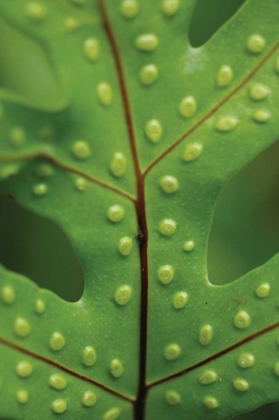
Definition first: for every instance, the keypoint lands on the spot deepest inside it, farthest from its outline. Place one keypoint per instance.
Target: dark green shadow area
(267, 412)
(245, 230)
(208, 17)
(39, 249)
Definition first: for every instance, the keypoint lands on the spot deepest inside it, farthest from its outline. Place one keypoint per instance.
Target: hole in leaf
(267, 412)
(39, 249)
(245, 229)
(208, 17)
(25, 70)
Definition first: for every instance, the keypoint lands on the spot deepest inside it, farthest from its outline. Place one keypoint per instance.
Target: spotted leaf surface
(128, 155)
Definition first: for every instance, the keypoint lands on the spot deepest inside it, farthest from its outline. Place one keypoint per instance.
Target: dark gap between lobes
(245, 229)
(208, 17)
(37, 248)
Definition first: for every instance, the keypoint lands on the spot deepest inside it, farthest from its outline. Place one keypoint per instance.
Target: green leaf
(130, 163)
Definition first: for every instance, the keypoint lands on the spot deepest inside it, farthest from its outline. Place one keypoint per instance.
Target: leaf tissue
(117, 129)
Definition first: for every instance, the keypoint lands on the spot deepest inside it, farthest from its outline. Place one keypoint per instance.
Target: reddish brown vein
(141, 216)
(216, 355)
(63, 368)
(213, 110)
(68, 168)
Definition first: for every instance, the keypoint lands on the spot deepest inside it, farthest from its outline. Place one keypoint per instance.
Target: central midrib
(139, 406)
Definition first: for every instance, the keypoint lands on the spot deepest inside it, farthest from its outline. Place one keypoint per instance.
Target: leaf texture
(129, 162)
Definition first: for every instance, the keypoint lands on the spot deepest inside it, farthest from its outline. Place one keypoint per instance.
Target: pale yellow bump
(125, 246)
(192, 151)
(172, 397)
(123, 294)
(148, 74)
(116, 368)
(147, 42)
(40, 306)
(36, 11)
(255, 43)
(8, 295)
(169, 184)
(24, 369)
(189, 246)
(240, 384)
(242, 320)
(40, 189)
(153, 131)
(8, 170)
(261, 115)
(172, 352)
(89, 356)
(129, 8)
(246, 360)
(81, 184)
(180, 299)
(170, 7)
(263, 290)
(44, 171)
(206, 335)
(71, 23)
(227, 123)
(167, 227)
(59, 406)
(225, 76)
(118, 164)
(208, 377)
(259, 92)
(22, 327)
(81, 150)
(17, 137)
(57, 341)
(22, 396)
(165, 274)
(115, 213)
(104, 93)
(210, 402)
(91, 49)
(112, 414)
(89, 399)
(57, 381)
(187, 106)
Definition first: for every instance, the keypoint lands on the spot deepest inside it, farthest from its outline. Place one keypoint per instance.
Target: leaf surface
(130, 163)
